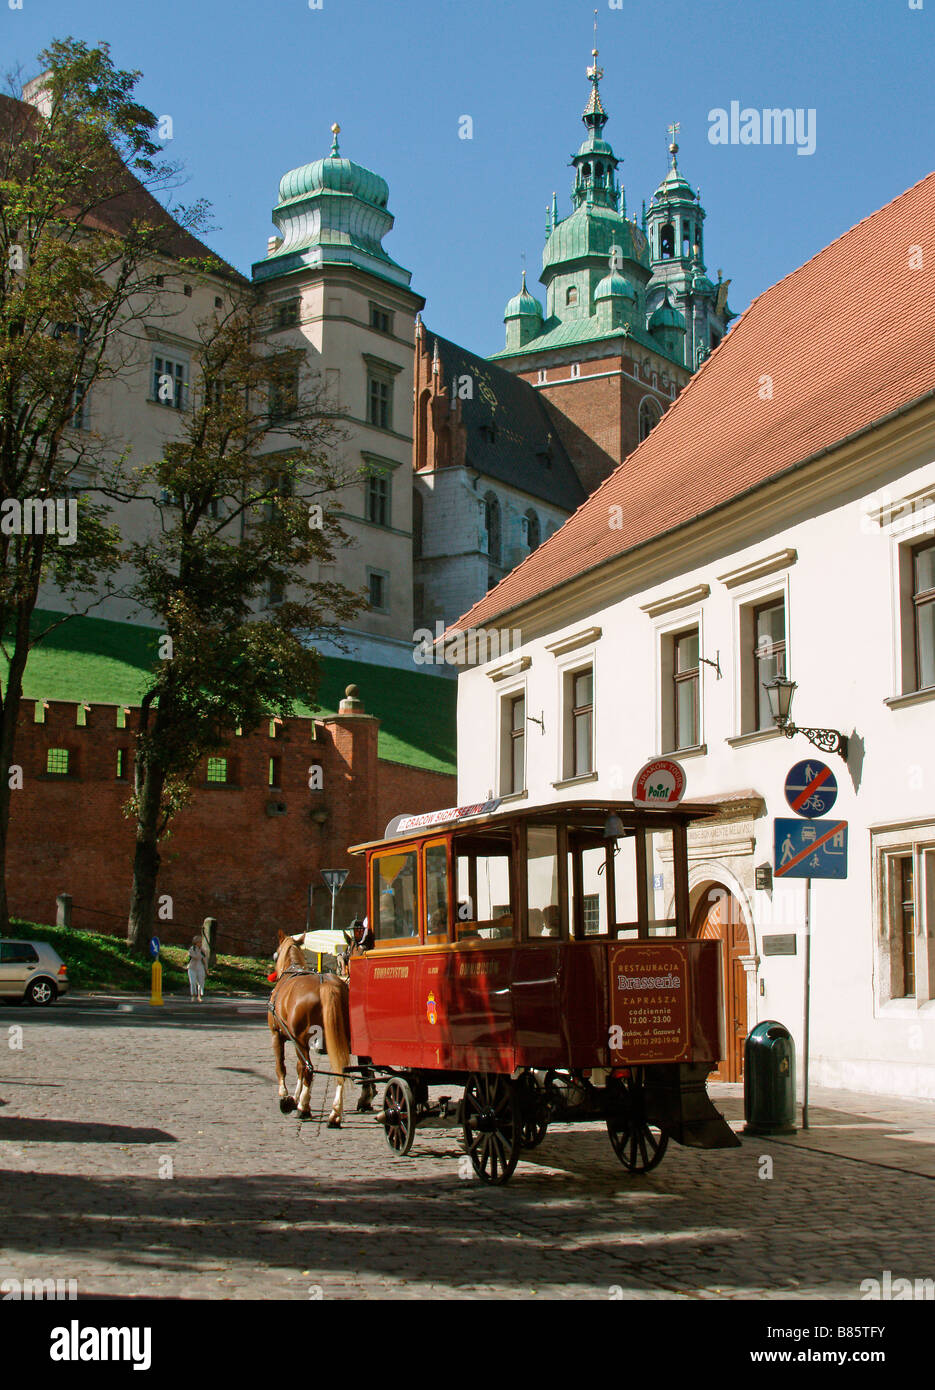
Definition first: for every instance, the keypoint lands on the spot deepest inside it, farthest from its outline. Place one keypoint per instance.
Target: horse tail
(335, 1020)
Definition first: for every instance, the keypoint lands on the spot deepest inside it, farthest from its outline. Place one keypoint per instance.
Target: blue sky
(253, 89)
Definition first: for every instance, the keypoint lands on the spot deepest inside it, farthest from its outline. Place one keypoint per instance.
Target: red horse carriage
(540, 959)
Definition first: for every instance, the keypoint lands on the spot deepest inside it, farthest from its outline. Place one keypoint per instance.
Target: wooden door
(718, 918)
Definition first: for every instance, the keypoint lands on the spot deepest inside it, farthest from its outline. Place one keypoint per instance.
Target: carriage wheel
(535, 1115)
(638, 1145)
(399, 1115)
(493, 1126)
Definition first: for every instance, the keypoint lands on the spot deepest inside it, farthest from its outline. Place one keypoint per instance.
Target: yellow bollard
(319, 962)
(156, 995)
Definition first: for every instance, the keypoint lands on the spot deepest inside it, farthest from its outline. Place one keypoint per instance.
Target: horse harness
(293, 970)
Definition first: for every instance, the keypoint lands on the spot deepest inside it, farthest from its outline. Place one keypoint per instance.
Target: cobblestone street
(146, 1157)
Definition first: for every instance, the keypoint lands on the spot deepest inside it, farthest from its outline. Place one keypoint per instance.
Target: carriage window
(545, 915)
(483, 909)
(592, 889)
(436, 892)
(660, 884)
(394, 896)
(626, 903)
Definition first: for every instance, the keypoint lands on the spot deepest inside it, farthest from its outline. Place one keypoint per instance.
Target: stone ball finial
(351, 704)
(352, 692)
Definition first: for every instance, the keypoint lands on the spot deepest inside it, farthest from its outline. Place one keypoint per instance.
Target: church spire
(594, 115)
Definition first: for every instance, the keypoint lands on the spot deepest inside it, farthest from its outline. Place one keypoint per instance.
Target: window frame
(892, 846)
(509, 737)
(754, 656)
(176, 361)
(383, 576)
(920, 598)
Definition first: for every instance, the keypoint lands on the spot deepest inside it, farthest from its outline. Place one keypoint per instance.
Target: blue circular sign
(811, 788)
(154, 946)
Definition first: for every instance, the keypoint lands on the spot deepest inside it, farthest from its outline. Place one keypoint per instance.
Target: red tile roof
(846, 339)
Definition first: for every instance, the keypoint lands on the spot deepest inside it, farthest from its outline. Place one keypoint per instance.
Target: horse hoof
(286, 1104)
(364, 1107)
(334, 1124)
(304, 1115)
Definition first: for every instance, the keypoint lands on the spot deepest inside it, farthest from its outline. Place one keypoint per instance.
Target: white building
(780, 519)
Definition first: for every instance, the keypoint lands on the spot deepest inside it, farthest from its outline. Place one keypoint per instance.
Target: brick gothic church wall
(233, 853)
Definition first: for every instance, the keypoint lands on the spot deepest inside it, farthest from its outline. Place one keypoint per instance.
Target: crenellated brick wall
(242, 851)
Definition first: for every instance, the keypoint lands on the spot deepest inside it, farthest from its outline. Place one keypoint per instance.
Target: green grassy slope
(105, 662)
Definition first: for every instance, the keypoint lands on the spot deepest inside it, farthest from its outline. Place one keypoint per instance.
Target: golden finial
(335, 131)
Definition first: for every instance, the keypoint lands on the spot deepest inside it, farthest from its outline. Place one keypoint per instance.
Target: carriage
(539, 963)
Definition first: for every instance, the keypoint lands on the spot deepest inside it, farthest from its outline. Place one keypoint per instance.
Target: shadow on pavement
(14, 1130)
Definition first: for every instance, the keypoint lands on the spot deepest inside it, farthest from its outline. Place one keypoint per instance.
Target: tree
(243, 503)
(81, 239)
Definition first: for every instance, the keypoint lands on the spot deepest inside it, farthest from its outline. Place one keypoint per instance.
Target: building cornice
(756, 569)
(574, 641)
(669, 602)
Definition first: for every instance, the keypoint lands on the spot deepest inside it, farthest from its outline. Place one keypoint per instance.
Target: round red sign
(660, 782)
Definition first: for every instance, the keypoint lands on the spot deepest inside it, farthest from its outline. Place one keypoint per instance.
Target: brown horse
(310, 1009)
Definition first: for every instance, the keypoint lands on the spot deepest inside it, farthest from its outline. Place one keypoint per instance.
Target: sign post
(155, 993)
(334, 878)
(809, 849)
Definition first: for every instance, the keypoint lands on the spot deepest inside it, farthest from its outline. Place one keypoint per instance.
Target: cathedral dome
(334, 175)
(667, 317)
(595, 231)
(523, 305)
(614, 286)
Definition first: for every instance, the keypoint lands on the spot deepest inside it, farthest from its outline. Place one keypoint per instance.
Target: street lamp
(779, 692)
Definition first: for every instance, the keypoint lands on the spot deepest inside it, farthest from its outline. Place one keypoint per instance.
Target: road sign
(660, 782)
(334, 879)
(154, 944)
(810, 848)
(811, 788)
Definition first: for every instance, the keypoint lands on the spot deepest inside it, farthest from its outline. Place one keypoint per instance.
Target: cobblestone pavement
(99, 1107)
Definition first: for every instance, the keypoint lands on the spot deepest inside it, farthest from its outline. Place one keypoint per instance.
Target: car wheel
(41, 992)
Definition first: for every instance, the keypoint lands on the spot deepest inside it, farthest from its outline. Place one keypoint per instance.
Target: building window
(81, 413)
(170, 382)
(381, 319)
(650, 415)
(667, 242)
(57, 762)
(275, 772)
(287, 313)
(378, 590)
(685, 722)
(121, 764)
(380, 402)
(542, 376)
(579, 723)
(768, 657)
(512, 744)
(923, 602)
(904, 926)
(533, 533)
(571, 295)
(378, 501)
(492, 527)
(284, 396)
(904, 916)
(576, 369)
(217, 772)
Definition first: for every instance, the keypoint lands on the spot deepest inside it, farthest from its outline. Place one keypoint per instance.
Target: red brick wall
(225, 856)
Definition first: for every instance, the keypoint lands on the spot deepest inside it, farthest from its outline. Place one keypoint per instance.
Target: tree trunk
(146, 861)
(9, 715)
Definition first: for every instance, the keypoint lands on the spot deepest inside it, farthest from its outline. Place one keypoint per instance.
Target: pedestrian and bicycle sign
(809, 848)
(811, 788)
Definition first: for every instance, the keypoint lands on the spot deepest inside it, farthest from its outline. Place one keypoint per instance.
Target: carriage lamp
(779, 692)
(613, 828)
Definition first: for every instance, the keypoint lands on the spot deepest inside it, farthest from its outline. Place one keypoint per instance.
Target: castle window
(667, 242)
(381, 319)
(57, 762)
(380, 403)
(287, 313)
(217, 772)
(650, 415)
(492, 527)
(284, 395)
(377, 589)
(571, 294)
(598, 171)
(378, 501)
(170, 382)
(275, 772)
(121, 764)
(533, 532)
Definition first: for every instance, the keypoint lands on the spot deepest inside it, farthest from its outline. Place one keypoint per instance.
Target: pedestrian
(196, 969)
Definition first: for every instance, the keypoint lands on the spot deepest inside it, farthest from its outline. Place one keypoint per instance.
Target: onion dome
(666, 318)
(614, 286)
(523, 305)
(334, 175)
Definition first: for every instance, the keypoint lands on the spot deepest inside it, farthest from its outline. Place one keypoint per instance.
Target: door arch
(718, 917)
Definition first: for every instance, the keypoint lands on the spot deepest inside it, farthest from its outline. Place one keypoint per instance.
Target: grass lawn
(104, 964)
(104, 662)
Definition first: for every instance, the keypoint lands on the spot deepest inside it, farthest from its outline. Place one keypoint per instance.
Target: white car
(31, 970)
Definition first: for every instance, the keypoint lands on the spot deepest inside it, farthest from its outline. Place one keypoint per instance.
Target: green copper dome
(523, 305)
(667, 317)
(614, 285)
(334, 175)
(592, 230)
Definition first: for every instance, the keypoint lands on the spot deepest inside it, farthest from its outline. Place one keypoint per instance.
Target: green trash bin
(769, 1080)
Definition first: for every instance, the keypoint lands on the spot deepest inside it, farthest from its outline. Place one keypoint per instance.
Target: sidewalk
(179, 1003)
(886, 1131)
